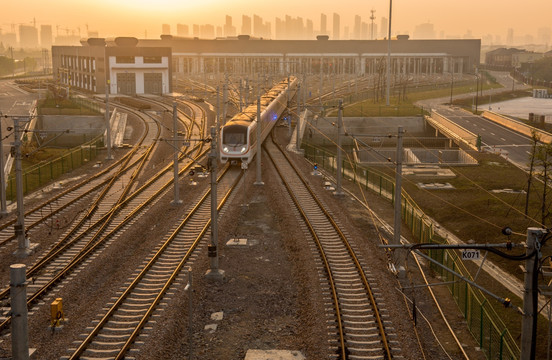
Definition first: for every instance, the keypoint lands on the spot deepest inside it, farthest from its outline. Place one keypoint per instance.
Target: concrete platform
(274, 355)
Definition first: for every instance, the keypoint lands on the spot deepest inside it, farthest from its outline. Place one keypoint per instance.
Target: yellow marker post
(56, 312)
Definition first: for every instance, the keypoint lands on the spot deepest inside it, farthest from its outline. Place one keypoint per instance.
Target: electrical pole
(176, 200)
(108, 122)
(224, 102)
(213, 273)
(297, 126)
(398, 190)
(3, 208)
(19, 325)
(338, 191)
(389, 54)
(24, 246)
(259, 178)
(530, 297)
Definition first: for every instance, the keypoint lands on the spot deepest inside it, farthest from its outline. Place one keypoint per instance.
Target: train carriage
(238, 137)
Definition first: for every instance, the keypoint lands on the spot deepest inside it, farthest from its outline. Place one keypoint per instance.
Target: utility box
(56, 312)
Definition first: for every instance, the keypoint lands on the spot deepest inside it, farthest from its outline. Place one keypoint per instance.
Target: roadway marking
(503, 139)
(493, 134)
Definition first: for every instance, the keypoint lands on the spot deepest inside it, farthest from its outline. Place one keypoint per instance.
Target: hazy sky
(134, 17)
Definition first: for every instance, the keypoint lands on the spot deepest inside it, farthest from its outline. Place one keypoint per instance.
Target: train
(238, 137)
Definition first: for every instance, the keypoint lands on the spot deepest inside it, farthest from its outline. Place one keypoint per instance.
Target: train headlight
(225, 149)
(242, 150)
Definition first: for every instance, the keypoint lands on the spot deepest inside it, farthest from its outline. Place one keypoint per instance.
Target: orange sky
(135, 17)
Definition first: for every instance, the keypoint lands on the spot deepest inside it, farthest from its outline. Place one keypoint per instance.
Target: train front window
(233, 138)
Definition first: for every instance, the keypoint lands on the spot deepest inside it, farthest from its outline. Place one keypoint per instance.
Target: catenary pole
(176, 200)
(259, 180)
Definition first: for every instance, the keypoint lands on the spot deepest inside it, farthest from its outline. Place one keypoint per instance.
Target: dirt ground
(270, 297)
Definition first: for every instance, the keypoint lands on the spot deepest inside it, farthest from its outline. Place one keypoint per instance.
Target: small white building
(127, 68)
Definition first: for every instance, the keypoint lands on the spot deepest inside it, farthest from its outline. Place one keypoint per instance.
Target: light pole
(476, 90)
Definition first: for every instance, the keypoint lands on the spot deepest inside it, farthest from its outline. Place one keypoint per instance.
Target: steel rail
(383, 336)
(84, 344)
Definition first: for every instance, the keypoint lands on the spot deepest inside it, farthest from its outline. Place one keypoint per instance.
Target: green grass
(405, 105)
(63, 107)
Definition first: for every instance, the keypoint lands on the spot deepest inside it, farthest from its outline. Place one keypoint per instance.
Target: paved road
(13, 101)
(496, 138)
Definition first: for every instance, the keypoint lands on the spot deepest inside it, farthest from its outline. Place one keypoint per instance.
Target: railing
(483, 322)
(45, 172)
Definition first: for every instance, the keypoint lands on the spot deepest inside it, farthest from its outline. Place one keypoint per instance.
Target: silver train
(238, 137)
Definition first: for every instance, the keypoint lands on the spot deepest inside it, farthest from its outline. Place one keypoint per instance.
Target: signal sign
(471, 254)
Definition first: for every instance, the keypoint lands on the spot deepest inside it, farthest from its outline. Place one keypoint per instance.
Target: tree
(7, 65)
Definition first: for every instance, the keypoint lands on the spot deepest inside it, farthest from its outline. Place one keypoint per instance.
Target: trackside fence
(484, 323)
(45, 172)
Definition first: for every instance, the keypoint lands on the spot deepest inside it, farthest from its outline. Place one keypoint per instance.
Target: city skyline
(353, 25)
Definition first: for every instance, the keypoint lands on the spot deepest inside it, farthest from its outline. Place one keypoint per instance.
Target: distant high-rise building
(229, 29)
(28, 36)
(46, 36)
(336, 26)
(544, 35)
(364, 30)
(384, 27)
(165, 29)
(279, 29)
(424, 31)
(260, 28)
(510, 37)
(356, 28)
(195, 30)
(246, 25)
(468, 35)
(207, 31)
(309, 31)
(219, 31)
(257, 25)
(182, 30)
(268, 30)
(9, 39)
(323, 21)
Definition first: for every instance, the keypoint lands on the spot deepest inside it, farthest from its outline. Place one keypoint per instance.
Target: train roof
(250, 112)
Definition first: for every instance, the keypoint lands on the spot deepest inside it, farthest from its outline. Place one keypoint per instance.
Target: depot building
(149, 66)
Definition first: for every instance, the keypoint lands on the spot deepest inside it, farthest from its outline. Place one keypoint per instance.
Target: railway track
(94, 231)
(117, 330)
(356, 316)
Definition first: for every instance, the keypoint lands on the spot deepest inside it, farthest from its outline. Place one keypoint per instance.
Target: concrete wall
(53, 129)
(517, 126)
(363, 127)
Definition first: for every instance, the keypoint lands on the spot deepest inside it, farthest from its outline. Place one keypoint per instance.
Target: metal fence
(36, 176)
(483, 322)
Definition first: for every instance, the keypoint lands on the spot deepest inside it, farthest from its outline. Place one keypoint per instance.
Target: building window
(125, 59)
(153, 59)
